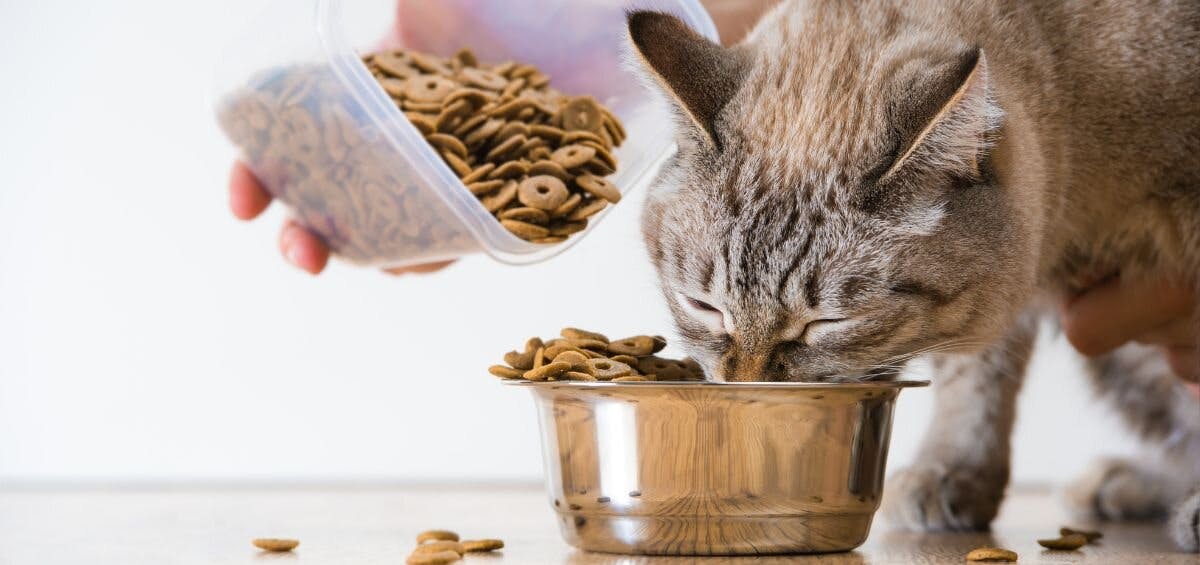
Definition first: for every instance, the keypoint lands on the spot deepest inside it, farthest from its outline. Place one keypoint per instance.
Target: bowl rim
(867, 385)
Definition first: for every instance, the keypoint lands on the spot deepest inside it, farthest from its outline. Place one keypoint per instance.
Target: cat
(861, 183)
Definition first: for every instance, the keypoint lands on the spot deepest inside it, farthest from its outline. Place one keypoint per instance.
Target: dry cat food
(332, 164)
(1068, 542)
(534, 157)
(436, 535)
(275, 544)
(1069, 539)
(439, 558)
(482, 545)
(991, 554)
(1089, 535)
(580, 355)
(438, 547)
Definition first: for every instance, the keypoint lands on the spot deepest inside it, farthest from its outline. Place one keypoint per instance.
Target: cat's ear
(701, 76)
(945, 118)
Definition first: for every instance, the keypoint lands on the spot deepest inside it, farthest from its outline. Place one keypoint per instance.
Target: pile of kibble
(534, 157)
(580, 355)
(439, 547)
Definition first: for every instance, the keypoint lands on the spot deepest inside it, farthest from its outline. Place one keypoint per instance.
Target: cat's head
(834, 204)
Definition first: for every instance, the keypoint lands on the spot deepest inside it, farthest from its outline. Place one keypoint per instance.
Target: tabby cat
(860, 183)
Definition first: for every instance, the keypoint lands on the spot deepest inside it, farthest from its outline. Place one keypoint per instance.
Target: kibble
(1069, 542)
(607, 369)
(440, 546)
(439, 558)
(1090, 535)
(482, 545)
(556, 146)
(991, 554)
(547, 372)
(581, 355)
(487, 122)
(275, 544)
(436, 535)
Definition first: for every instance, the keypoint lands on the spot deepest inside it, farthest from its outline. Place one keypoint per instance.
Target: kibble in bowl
(644, 456)
(413, 150)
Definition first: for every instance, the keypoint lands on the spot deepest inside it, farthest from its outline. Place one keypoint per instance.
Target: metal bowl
(715, 468)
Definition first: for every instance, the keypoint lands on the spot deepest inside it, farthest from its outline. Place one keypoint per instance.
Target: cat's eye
(706, 313)
(816, 329)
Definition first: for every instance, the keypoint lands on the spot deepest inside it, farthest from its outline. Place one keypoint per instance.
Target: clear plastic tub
(324, 138)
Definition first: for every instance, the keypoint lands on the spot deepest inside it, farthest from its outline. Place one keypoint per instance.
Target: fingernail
(293, 255)
(286, 243)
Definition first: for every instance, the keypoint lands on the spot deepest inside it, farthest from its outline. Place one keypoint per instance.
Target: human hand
(302, 248)
(1160, 313)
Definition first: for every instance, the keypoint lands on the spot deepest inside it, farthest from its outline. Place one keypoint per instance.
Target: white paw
(940, 498)
(1184, 525)
(1115, 490)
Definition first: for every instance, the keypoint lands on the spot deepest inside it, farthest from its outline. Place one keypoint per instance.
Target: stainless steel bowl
(715, 468)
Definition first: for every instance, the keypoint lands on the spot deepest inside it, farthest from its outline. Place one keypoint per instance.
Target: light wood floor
(365, 526)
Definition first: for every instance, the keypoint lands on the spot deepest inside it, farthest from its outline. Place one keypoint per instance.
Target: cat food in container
(326, 139)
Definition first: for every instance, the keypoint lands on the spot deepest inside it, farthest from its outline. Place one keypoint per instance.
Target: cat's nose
(752, 367)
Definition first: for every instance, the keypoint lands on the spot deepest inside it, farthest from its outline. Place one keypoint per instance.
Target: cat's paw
(1115, 489)
(1184, 525)
(943, 498)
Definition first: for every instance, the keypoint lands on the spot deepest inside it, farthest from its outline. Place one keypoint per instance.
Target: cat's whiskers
(897, 364)
(948, 345)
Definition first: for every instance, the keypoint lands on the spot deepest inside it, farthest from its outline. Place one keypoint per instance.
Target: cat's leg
(1184, 523)
(1118, 489)
(961, 470)
(1165, 483)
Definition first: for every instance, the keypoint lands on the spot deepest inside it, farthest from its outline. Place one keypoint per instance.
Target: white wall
(145, 334)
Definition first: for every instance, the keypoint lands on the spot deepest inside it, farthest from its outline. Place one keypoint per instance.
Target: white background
(145, 335)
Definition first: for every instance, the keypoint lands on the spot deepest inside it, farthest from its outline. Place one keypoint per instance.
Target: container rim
(867, 385)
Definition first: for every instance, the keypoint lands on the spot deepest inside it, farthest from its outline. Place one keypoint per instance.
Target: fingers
(247, 197)
(420, 269)
(1117, 312)
(303, 249)
(1185, 362)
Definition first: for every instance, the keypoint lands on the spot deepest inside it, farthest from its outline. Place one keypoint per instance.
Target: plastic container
(324, 138)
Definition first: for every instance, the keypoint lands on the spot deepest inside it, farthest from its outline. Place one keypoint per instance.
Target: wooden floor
(368, 526)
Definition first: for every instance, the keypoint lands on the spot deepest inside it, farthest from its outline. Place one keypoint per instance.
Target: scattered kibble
(1091, 535)
(1069, 542)
(991, 554)
(437, 547)
(439, 558)
(440, 546)
(436, 535)
(275, 544)
(482, 545)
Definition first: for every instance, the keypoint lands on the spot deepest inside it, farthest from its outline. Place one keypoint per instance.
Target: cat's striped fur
(862, 182)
